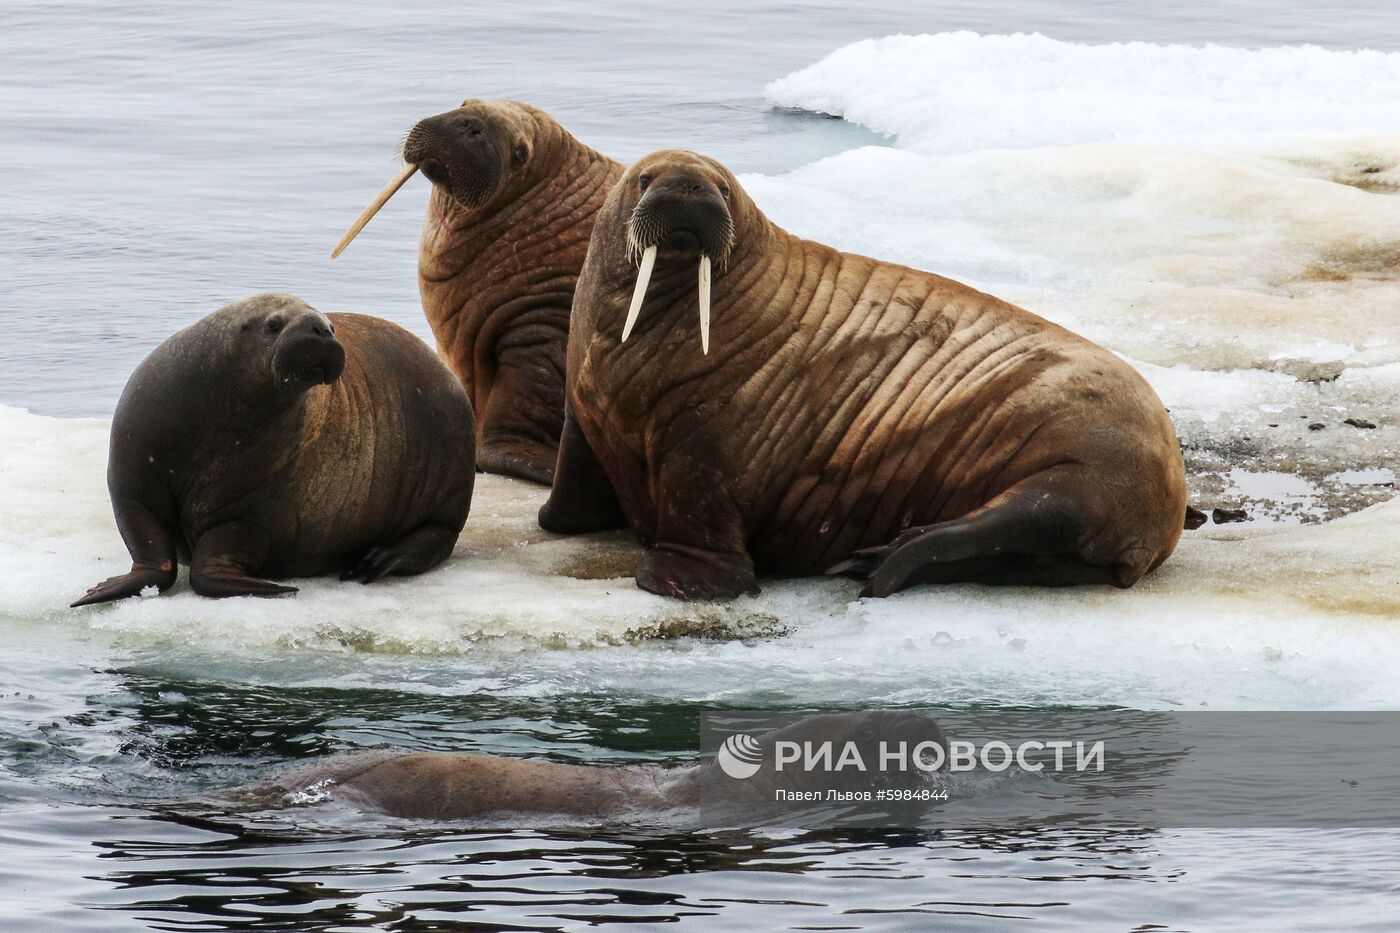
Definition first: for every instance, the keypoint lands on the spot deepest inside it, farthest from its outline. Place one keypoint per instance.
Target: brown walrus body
(270, 440)
(854, 415)
(431, 785)
(506, 231)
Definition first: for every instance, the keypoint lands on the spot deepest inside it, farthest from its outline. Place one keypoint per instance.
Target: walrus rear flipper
(223, 584)
(417, 552)
(222, 558)
(1028, 535)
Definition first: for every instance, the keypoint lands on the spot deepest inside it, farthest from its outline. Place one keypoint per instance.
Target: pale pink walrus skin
(767, 403)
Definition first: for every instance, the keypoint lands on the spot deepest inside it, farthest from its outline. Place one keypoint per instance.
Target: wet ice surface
(1202, 631)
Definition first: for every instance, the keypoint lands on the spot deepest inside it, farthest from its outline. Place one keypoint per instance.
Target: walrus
(507, 228)
(271, 440)
(856, 416)
(445, 786)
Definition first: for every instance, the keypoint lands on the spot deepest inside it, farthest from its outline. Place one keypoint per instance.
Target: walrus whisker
(379, 201)
(643, 279)
(705, 303)
(641, 228)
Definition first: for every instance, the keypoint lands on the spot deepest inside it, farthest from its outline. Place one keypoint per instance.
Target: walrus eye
(274, 326)
(519, 154)
(724, 192)
(643, 182)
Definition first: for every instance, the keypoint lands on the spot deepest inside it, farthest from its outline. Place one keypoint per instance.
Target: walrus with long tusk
(271, 440)
(507, 227)
(747, 399)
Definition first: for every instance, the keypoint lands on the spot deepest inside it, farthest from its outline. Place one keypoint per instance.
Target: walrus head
(471, 155)
(872, 733)
(471, 151)
(298, 341)
(682, 210)
(868, 729)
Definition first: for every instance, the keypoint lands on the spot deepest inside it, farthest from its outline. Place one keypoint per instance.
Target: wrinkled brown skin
(227, 456)
(852, 415)
(513, 202)
(436, 786)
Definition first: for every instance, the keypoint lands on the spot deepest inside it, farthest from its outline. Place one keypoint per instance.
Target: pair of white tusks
(639, 293)
(379, 201)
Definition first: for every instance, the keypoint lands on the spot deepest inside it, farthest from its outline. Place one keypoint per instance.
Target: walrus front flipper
(222, 556)
(700, 551)
(152, 549)
(583, 499)
(669, 570)
(520, 422)
(129, 584)
(1027, 535)
(417, 552)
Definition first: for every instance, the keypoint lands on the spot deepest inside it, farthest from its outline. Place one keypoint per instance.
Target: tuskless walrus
(749, 400)
(441, 786)
(271, 440)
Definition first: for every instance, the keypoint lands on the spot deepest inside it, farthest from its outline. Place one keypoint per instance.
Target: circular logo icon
(740, 756)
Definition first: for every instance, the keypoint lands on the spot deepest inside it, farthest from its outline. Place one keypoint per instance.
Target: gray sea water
(166, 157)
(163, 158)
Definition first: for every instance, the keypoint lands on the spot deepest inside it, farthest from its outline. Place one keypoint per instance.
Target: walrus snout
(437, 172)
(461, 152)
(687, 215)
(308, 353)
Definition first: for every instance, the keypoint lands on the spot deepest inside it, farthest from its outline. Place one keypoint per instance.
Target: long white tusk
(705, 304)
(643, 279)
(379, 201)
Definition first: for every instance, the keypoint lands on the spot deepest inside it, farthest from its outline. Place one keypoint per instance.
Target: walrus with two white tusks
(749, 400)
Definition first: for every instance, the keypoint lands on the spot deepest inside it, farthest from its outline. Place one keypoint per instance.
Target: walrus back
(496, 286)
(390, 445)
(929, 399)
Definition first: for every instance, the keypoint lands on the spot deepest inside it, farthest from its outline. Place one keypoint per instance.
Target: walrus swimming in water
(507, 227)
(270, 440)
(438, 786)
(855, 416)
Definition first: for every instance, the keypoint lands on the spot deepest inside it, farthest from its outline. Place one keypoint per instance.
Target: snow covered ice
(1240, 617)
(1225, 219)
